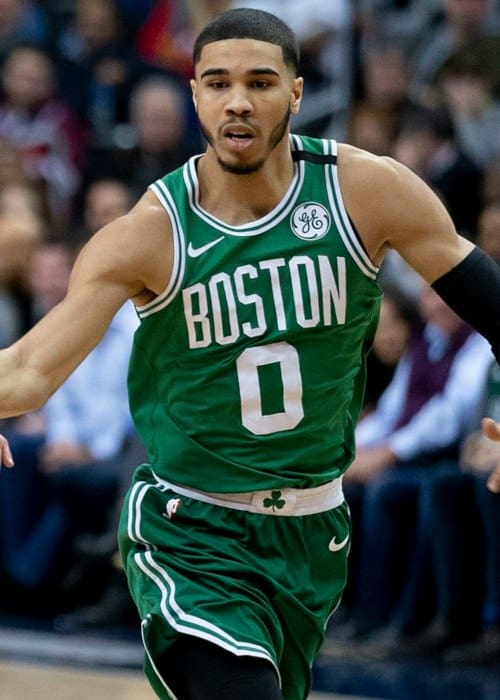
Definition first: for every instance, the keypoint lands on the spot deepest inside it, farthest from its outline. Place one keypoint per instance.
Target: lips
(237, 131)
(238, 137)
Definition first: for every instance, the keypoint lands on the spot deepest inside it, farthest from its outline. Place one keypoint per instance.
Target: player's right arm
(128, 259)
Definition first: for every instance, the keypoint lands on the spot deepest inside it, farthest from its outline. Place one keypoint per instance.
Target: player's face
(244, 95)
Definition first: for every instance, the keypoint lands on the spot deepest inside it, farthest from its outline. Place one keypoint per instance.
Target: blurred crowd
(94, 106)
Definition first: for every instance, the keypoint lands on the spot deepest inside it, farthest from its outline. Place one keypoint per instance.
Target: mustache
(238, 121)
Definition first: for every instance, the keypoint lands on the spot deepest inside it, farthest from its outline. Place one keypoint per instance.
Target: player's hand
(492, 431)
(5, 453)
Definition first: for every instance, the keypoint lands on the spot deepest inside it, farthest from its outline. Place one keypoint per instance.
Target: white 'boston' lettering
(304, 291)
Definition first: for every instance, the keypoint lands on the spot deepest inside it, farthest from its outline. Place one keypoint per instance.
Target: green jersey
(248, 371)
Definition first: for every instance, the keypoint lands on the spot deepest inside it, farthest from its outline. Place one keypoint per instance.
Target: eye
(217, 84)
(260, 84)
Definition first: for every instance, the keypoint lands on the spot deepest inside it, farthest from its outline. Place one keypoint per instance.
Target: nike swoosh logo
(195, 252)
(335, 546)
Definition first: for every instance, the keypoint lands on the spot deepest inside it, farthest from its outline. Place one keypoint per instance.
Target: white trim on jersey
(252, 228)
(179, 258)
(342, 221)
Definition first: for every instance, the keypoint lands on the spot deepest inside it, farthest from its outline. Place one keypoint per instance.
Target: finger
(5, 453)
(493, 482)
(490, 429)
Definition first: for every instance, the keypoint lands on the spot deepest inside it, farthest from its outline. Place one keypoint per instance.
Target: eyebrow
(253, 71)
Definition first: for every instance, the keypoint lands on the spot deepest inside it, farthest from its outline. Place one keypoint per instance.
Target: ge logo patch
(310, 221)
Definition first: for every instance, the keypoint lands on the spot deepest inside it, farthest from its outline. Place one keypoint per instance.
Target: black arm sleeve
(472, 290)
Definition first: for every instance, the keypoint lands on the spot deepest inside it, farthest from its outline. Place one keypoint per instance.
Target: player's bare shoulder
(367, 182)
(386, 200)
(364, 164)
(370, 180)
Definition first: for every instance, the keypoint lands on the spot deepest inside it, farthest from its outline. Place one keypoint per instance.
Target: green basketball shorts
(248, 574)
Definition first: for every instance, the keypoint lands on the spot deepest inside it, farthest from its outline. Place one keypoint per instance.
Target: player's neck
(238, 199)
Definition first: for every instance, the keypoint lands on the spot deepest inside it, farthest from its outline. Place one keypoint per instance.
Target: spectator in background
(397, 318)
(466, 626)
(437, 383)
(384, 94)
(479, 456)
(25, 201)
(396, 321)
(47, 276)
(43, 129)
(76, 447)
(399, 23)
(468, 90)
(18, 239)
(22, 21)
(165, 38)
(103, 201)
(23, 228)
(396, 274)
(463, 21)
(50, 268)
(427, 145)
(369, 129)
(70, 472)
(94, 553)
(85, 430)
(463, 533)
(162, 137)
(98, 67)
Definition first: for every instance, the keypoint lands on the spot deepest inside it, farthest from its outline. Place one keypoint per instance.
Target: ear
(192, 83)
(296, 98)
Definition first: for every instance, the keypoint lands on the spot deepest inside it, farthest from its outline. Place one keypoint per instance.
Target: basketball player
(254, 273)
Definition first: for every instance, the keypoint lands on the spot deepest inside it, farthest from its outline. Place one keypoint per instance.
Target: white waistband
(276, 501)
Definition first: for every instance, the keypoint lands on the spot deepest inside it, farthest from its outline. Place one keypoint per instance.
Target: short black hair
(246, 23)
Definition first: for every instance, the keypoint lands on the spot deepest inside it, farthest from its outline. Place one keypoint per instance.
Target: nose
(238, 102)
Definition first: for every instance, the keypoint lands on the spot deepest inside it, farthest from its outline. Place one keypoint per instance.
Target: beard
(275, 138)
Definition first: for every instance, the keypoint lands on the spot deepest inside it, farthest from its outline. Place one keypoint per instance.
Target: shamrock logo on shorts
(275, 501)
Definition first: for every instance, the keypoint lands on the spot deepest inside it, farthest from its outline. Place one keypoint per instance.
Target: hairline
(288, 64)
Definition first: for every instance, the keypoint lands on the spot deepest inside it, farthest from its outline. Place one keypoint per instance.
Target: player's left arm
(403, 213)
